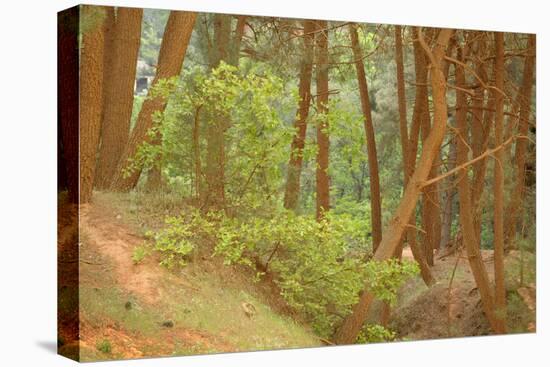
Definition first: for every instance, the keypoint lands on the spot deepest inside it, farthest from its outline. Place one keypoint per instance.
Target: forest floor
(130, 310)
(452, 306)
(147, 310)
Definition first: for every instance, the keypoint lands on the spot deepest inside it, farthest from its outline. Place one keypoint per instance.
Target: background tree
(321, 67)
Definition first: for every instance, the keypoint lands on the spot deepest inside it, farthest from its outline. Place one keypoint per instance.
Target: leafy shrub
(319, 266)
(176, 241)
(139, 254)
(385, 277)
(374, 333)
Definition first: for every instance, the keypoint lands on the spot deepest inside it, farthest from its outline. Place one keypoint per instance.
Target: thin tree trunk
(322, 178)
(513, 211)
(500, 289)
(292, 190)
(224, 49)
(469, 237)
(375, 201)
(391, 237)
(120, 69)
(447, 220)
(172, 53)
(197, 154)
(91, 93)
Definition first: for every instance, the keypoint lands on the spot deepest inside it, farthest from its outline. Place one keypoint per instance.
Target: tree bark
(120, 69)
(292, 190)
(513, 211)
(226, 49)
(375, 201)
(67, 97)
(391, 237)
(172, 53)
(322, 178)
(469, 238)
(500, 289)
(91, 96)
(419, 112)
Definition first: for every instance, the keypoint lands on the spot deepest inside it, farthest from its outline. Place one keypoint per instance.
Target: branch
(470, 162)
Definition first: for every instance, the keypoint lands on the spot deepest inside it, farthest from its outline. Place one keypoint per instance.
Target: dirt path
(107, 245)
(108, 236)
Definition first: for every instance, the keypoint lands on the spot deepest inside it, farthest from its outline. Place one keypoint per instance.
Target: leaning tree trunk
(391, 237)
(513, 211)
(429, 195)
(292, 190)
(404, 139)
(91, 93)
(375, 201)
(500, 289)
(118, 92)
(322, 178)
(419, 112)
(172, 53)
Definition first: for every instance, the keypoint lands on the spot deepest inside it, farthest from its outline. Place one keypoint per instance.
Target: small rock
(119, 217)
(168, 323)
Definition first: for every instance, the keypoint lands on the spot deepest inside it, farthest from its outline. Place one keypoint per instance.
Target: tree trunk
(391, 237)
(120, 69)
(172, 53)
(224, 50)
(322, 178)
(419, 112)
(447, 220)
(91, 93)
(429, 195)
(67, 97)
(469, 238)
(197, 154)
(292, 190)
(375, 201)
(513, 211)
(500, 289)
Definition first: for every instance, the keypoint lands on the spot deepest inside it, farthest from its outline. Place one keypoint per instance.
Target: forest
(233, 183)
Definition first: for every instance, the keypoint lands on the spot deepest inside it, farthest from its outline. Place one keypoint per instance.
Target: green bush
(177, 240)
(374, 333)
(319, 266)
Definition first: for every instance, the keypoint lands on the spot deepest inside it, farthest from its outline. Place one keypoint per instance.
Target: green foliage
(319, 266)
(104, 346)
(374, 333)
(176, 241)
(385, 277)
(139, 254)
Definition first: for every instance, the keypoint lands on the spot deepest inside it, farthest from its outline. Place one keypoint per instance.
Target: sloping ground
(133, 311)
(452, 307)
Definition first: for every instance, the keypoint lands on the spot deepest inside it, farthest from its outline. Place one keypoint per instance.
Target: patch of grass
(109, 302)
(217, 309)
(104, 346)
(520, 269)
(518, 314)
